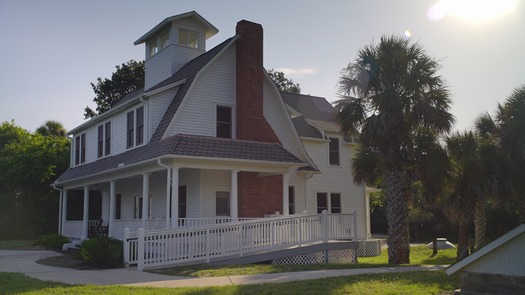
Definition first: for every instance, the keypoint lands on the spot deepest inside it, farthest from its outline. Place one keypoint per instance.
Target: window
(118, 207)
(329, 202)
(182, 201)
(189, 38)
(104, 139)
(135, 127)
(130, 129)
(80, 149)
(334, 151)
(224, 122)
(138, 207)
(291, 200)
(322, 202)
(140, 126)
(335, 203)
(158, 43)
(222, 203)
(107, 142)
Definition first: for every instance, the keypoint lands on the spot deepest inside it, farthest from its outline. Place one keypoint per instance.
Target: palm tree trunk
(462, 241)
(397, 190)
(480, 223)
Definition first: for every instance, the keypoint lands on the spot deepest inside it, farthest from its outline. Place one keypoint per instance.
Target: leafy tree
(389, 95)
(127, 78)
(28, 165)
(284, 84)
(51, 128)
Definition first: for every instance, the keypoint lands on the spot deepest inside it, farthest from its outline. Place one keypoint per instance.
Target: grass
(16, 245)
(419, 255)
(436, 282)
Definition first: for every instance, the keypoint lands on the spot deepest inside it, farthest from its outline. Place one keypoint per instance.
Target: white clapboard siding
(118, 135)
(336, 179)
(277, 116)
(158, 104)
(215, 86)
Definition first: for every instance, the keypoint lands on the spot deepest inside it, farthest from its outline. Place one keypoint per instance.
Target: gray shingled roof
(187, 145)
(311, 107)
(304, 129)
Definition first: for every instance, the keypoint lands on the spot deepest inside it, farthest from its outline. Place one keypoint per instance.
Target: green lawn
(16, 244)
(436, 282)
(419, 255)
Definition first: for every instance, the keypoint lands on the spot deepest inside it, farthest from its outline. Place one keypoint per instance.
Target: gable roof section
(304, 129)
(520, 230)
(188, 72)
(186, 145)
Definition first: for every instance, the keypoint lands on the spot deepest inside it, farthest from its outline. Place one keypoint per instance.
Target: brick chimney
(258, 195)
(251, 123)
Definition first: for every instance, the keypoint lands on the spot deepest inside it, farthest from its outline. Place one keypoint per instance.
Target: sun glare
(472, 11)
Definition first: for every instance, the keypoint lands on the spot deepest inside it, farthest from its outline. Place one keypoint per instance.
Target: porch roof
(188, 146)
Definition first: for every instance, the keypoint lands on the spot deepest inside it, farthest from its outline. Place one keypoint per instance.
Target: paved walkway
(23, 261)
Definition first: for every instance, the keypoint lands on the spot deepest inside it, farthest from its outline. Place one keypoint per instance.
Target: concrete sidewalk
(23, 261)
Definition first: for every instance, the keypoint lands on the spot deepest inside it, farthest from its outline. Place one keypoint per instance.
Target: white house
(208, 139)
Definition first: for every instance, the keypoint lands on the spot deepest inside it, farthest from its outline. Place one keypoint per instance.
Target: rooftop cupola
(172, 43)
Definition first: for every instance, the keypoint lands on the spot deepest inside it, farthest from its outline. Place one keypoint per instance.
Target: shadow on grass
(16, 283)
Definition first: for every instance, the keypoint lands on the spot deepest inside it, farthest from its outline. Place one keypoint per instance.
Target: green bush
(102, 252)
(51, 241)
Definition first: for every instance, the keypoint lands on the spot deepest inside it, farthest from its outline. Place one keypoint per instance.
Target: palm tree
(51, 128)
(390, 93)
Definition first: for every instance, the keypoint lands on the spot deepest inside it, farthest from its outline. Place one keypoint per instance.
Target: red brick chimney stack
(251, 124)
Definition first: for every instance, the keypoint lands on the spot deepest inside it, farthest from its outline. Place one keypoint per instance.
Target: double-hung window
(135, 127)
(80, 149)
(330, 202)
(104, 140)
(224, 122)
(334, 151)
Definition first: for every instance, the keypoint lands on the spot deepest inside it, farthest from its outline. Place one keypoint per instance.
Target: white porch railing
(73, 228)
(175, 246)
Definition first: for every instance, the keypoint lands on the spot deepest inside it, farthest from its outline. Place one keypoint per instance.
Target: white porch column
(145, 199)
(175, 197)
(64, 211)
(234, 198)
(168, 197)
(286, 197)
(85, 216)
(112, 206)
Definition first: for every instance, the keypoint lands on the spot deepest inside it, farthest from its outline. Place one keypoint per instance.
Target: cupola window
(189, 38)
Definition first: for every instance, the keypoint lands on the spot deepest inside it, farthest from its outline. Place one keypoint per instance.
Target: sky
(52, 50)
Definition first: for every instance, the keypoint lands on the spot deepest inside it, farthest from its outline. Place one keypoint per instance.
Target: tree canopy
(390, 97)
(29, 163)
(127, 78)
(284, 84)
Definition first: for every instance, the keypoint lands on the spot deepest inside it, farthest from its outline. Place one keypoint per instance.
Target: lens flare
(472, 11)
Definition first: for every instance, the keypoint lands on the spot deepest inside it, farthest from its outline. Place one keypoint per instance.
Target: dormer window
(189, 38)
(159, 43)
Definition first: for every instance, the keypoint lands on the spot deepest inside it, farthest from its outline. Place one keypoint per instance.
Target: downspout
(168, 193)
(60, 209)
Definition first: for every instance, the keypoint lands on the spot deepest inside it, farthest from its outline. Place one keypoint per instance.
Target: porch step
(284, 253)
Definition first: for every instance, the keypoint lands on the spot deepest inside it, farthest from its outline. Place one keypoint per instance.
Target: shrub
(51, 241)
(102, 252)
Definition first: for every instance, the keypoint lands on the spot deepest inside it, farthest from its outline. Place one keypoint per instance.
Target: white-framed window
(135, 127)
(104, 140)
(222, 203)
(330, 202)
(291, 200)
(224, 122)
(80, 149)
(189, 38)
(158, 43)
(333, 151)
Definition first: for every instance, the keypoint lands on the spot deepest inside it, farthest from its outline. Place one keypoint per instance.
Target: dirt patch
(68, 259)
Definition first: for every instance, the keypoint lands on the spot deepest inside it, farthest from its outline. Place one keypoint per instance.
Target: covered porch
(175, 192)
